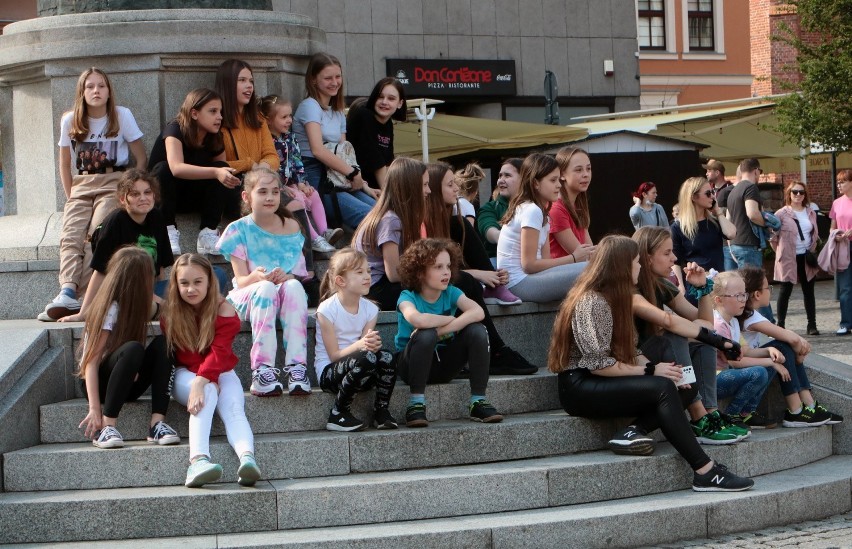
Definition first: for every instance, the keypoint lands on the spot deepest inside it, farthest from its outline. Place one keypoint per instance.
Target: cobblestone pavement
(827, 320)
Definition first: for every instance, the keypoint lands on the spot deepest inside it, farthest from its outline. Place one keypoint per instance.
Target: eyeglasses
(708, 194)
(742, 297)
(769, 288)
(798, 192)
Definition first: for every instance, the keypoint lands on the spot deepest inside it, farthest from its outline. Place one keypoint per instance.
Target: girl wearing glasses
(699, 232)
(792, 243)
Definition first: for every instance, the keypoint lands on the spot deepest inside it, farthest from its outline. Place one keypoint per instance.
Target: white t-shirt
(332, 124)
(97, 151)
(751, 337)
(527, 214)
(807, 230)
(347, 327)
(467, 209)
(109, 321)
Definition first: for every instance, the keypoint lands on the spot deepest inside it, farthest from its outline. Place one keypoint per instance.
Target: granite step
(594, 500)
(510, 394)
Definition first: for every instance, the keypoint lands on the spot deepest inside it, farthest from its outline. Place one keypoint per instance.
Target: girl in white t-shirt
(802, 408)
(349, 357)
(523, 249)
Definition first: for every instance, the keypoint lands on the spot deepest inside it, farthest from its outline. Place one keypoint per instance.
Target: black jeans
(424, 362)
(209, 197)
(128, 372)
(473, 252)
(359, 372)
(807, 294)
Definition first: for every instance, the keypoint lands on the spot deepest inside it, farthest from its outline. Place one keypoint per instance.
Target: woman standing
(645, 211)
(841, 220)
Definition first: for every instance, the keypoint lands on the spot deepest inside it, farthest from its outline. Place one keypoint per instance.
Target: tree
(821, 110)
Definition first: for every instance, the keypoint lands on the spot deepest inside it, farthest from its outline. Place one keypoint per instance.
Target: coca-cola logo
(447, 75)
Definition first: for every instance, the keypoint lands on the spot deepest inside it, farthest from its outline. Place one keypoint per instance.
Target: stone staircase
(539, 479)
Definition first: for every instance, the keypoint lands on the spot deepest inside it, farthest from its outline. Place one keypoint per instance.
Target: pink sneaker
(499, 295)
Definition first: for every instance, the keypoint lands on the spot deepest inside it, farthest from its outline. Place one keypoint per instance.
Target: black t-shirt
(119, 229)
(722, 194)
(663, 293)
(742, 191)
(706, 249)
(197, 157)
(372, 141)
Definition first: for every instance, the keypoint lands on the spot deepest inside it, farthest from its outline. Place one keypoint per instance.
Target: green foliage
(822, 110)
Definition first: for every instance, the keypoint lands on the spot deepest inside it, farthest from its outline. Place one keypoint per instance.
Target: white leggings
(227, 399)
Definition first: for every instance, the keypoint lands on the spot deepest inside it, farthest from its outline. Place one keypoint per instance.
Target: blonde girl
(265, 251)
(200, 328)
(96, 126)
(348, 356)
(116, 364)
(468, 179)
(569, 216)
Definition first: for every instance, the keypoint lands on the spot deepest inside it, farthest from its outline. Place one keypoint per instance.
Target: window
(652, 25)
(700, 21)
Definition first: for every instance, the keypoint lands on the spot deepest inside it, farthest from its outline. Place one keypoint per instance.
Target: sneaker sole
(386, 426)
(165, 441)
(799, 424)
(299, 391)
(248, 475)
(278, 391)
(495, 301)
(496, 418)
(643, 448)
(44, 317)
(60, 311)
(417, 423)
(211, 475)
(719, 489)
(108, 445)
(343, 428)
(336, 235)
(711, 442)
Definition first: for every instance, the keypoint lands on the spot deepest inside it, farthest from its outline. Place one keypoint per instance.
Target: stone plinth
(65, 7)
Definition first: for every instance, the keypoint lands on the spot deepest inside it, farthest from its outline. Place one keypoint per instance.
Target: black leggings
(118, 382)
(807, 294)
(208, 196)
(424, 362)
(473, 252)
(655, 402)
(359, 372)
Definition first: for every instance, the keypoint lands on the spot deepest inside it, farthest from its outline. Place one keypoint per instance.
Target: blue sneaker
(248, 473)
(201, 472)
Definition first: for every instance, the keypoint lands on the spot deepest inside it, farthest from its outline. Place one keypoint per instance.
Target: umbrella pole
(424, 114)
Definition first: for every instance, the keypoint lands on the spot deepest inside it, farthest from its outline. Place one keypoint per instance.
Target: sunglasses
(709, 193)
(798, 192)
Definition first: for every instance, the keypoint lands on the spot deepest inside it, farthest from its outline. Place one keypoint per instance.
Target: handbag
(810, 257)
(336, 181)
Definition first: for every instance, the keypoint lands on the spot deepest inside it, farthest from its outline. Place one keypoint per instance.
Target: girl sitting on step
(116, 364)
(200, 328)
(602, 375)
(349, 357)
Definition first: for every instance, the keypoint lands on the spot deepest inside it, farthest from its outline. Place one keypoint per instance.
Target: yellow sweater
(253, 147)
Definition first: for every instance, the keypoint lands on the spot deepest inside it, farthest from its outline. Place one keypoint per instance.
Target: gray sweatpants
(552, 284)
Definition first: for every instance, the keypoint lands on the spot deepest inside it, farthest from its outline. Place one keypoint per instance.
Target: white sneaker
(332, 235)
(298, 383)
(60, 307)
(109, 437)
(207, 239)
(319, 244)
(174, 239)
(264, 381)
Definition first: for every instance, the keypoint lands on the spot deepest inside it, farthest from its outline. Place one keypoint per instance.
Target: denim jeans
(745, 385)
(353, 205)
(751, 255)
(798, 377)
(730, 264)
(844, 290)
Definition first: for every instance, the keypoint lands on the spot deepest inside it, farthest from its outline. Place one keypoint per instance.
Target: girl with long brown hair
(602, 375)
(569, 216)
(116, 364)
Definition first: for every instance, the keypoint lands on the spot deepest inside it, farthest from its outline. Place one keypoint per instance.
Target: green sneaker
(734, 424)
(708, 430)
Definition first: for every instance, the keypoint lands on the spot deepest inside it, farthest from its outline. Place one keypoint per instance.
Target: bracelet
(355, 171)
(650, 368)
(574, 259)
(698, 293)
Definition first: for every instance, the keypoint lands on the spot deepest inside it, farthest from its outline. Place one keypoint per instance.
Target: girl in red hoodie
(200, 327)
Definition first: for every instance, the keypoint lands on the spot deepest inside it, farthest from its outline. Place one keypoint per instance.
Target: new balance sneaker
(61, 306)
(632, 441)
(499, 295)
(482, 411)
(319, 244)
(509, 362)
(332, 235)
(343, 421)
(719, 479)
(709, 431)
(297, 382)
(733, 424)
(383, 419)
(835, 418)
(415, 415)
(808, 417)
(174, 239)
(264, 381)
(109, 437)
(201, 471)
(248, 473)
(756, 420)
(206, 243)
(161, 433)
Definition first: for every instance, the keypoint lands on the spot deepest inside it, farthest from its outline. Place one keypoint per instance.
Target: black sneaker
(719, 479)
(161, 433)
(343, 421)
(735, 424)
(383, 419)
(482, 411)
(415, 415)
(808, 417)
(632, 441)
(756, 420)
(509, 362)
(835, 418)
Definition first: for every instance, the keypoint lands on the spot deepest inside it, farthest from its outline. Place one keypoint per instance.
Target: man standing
(716, 176)
(744, 208)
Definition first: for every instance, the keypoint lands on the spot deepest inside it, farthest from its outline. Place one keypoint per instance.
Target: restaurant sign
(454, 77)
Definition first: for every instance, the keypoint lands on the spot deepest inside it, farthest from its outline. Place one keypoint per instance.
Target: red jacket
(219, 357)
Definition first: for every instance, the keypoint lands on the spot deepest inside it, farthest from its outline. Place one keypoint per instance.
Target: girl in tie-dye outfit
(265, 251)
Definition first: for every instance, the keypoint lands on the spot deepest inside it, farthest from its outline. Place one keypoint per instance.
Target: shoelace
(296, 372)
(109, 432)
(269, 374)
(161, 430)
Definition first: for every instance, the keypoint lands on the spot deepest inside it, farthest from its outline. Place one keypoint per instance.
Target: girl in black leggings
(602, 375)
(116, 365)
